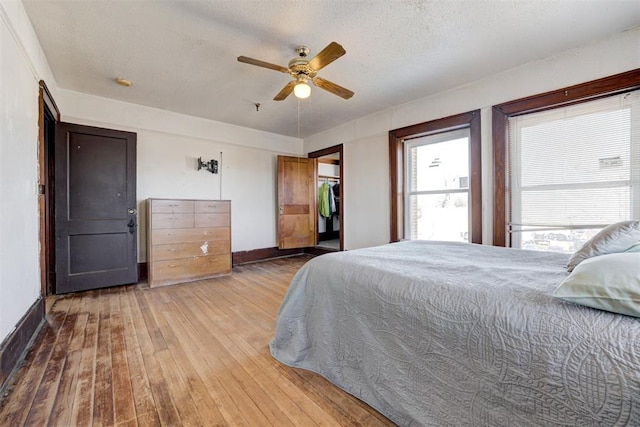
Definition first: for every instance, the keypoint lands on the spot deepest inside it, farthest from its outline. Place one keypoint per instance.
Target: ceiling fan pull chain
(298, 117)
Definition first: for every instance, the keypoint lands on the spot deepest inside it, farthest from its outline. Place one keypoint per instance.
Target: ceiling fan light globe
(302, 90)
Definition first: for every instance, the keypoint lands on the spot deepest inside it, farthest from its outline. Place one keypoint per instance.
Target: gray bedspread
(434, 333)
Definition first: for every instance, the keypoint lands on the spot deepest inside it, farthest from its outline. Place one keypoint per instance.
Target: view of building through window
(438, 183)
(573, 171)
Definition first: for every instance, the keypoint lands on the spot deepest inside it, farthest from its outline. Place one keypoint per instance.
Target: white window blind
(572, 171)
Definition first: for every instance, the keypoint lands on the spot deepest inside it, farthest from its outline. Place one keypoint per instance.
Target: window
(566, 163)
(572, 171)
(435, 173)
(437, 197)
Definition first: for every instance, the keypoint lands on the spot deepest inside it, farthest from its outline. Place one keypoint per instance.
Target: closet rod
(330, 178)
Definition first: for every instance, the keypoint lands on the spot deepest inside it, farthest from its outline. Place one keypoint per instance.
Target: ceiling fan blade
(286, 91)
(263, 64)
(332, 87)
(329, 54)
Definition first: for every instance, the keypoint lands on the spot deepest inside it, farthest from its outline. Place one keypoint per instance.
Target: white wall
(366, 166)
(22, 65)
(168, 145)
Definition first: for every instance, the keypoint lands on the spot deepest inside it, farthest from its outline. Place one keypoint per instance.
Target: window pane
(587, 206)
(440, 166)
(567, 241)
(592, 147)
(573, 167)
(440, 217)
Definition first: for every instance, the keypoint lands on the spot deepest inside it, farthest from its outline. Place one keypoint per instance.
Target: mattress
(435, 333)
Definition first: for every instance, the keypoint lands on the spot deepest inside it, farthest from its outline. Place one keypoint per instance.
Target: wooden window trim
(397, 137)
(501, 113)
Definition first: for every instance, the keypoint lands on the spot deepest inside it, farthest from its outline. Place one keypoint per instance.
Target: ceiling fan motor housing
(299, 67)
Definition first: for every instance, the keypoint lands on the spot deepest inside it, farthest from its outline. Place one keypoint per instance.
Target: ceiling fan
(304, 71)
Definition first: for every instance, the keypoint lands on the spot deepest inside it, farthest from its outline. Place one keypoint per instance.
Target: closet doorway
(329, 205)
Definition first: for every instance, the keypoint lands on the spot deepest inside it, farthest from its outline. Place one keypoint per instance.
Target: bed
(435, 333)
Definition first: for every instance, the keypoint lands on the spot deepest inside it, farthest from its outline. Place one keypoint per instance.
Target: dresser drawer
(188, 235)
(173, 220)
(189, 269)
(212, 220)
(172, 206)
(190, 250)
(212, 206)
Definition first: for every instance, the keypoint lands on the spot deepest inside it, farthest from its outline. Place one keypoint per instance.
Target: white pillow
(613, 238)
(634, 248)
(607, 282)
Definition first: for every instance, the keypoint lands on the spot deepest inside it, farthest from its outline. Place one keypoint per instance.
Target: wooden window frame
(397, 137)
(607, 86)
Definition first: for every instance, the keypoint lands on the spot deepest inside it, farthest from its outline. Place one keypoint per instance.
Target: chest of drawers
(187, 240)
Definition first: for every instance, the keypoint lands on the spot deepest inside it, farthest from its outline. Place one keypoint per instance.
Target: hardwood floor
(190, 354)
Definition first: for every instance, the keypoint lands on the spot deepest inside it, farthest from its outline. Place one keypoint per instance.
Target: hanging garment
(332, 200)
(336, 196)
(323, 201)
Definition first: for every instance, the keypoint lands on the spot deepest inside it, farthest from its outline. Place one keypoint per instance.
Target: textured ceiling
(181, 55)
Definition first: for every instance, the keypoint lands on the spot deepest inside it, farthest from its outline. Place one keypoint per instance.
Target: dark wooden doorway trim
(325, 152)
(397, 137)
(48, 112)
(501, 113)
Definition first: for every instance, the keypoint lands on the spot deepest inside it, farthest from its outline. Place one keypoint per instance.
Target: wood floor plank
(259, 396)
(211, 404)
(15, 410)
(267, 368)
(103, 409)
(177, 383)
(208, 362)
(188, 354)
(256, 407)
(82, 407)
(124, 404)
(142, 397)
(62, 411)
(165, 406)
(48, 389)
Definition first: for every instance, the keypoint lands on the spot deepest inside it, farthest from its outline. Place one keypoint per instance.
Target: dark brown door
(296, 202)
(95, 208)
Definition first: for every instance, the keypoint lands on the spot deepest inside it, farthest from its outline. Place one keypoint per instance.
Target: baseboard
(15, 346)
(243, 257)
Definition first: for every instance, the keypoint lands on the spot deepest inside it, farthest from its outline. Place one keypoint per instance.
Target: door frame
(325, 152)
(46, 106)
